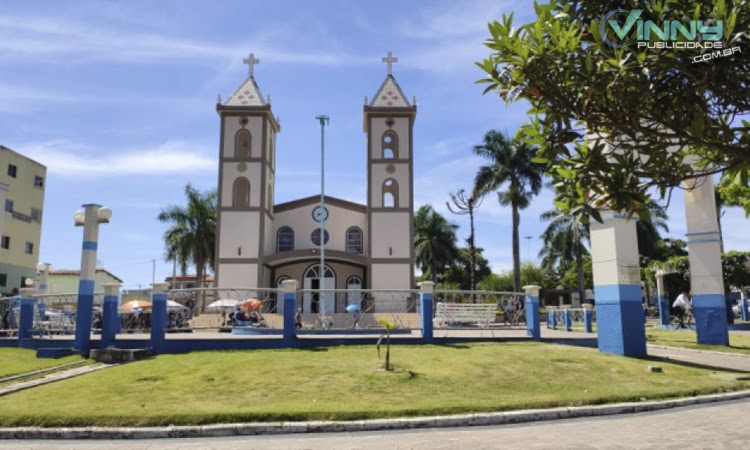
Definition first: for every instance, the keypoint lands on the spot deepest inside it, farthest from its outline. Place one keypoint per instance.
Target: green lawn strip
(738, 343)
(345, 383)
(16, 361)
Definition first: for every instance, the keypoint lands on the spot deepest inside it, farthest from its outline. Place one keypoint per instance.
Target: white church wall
(238, 275)
(231, 172)
(232, 125)
(239, 230)
(390, 237)
(391, 276)
(379, 175)
(378, 127)
(301, 221)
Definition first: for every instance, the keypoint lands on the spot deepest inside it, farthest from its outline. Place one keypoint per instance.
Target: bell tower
(388, 123)
(246, 181)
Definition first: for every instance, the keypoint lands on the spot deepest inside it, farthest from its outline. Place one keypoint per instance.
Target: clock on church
(320, 214)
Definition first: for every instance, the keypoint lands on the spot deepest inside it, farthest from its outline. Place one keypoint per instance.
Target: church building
(261, 243)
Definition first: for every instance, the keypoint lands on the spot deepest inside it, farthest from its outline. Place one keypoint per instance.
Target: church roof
(248, 94)
(390, 95)
(315, 199)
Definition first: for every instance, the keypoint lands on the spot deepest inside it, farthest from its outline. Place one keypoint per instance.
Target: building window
(9, 205)
(3, 279)
(242, 144)
(390, 145)
(354, 240)
(12, 170)
(315, 237)
(285, 240)
(38, 181)
(36, 215)
(390, 193)
(5, 242)
(241, 193)
(29, 248)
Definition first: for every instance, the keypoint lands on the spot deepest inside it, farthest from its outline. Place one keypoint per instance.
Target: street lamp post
(528, 246)
(89, 218)
(324, 120)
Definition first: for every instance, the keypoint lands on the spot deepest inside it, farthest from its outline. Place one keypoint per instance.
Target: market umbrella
(251, 304)
(174, 305)
(135, 306)
(353, 308)
(223, 303)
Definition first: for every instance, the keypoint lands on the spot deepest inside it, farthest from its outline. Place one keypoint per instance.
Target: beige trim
(315, 200)
(390, 261)
(386, 210)
(282, 258)
(234, 208)
(238, 261)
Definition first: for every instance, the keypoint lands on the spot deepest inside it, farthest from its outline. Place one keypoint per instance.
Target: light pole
(528, 246)
(324, 120)
(89, 218)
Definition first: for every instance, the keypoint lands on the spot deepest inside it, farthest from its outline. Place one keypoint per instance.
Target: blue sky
(117, 99)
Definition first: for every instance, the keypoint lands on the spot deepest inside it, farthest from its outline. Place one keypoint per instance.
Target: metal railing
(357, 309)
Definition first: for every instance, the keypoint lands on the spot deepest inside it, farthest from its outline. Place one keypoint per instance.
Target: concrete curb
(463, 420)
(697, 350)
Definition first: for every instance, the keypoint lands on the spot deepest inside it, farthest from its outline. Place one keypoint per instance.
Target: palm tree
(191, 238)
(510, 163)
(647, 229)
(565, 241)
(434, 242)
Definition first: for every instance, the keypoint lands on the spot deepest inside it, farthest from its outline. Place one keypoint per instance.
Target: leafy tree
(459, 272)
(434, 242)
(571, 278)
(669, 248)
(509, 164)
(565, 240)
(657, 105)
(733, 194)
(463, 205)
(530, 274)
(647, 230)
(191, 236)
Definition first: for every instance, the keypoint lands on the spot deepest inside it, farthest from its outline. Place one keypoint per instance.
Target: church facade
(261, 243)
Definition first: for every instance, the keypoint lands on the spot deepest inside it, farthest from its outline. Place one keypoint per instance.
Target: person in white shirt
(680, 305)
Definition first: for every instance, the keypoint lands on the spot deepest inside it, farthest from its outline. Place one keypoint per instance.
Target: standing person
(298, 319)
(680, 305)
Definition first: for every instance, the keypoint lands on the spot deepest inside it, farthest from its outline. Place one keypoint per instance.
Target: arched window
(285, 240)
(242, 144)
(354, 291)
(241, 193)
(390, 193)
(354, 240)
(390, 144)
(315, 237)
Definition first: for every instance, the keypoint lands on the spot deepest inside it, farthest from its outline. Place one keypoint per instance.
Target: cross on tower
(390, 60)
(251, 61)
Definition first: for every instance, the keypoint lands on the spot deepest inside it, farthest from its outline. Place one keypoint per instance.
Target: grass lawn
(15, 361)
(346, 383)
(738, 343)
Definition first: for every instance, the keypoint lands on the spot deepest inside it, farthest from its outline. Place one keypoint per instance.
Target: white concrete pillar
(706, 276)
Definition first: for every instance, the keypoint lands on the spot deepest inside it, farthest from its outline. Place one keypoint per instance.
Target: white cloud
(69, 159)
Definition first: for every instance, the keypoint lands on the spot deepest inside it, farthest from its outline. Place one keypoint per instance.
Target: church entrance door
(312, 302)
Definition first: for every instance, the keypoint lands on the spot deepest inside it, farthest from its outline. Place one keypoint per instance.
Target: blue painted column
(110, 318)
(90, 218)
(289, 288)
(617, 285)
(533, 329)
(426, 310)
(588, 318)
(567, 319)
(664, 309)
(26, 315)
(706, 273)
(158, 316)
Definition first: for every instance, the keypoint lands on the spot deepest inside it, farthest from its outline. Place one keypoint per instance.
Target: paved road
(716, 426)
